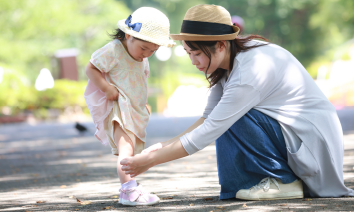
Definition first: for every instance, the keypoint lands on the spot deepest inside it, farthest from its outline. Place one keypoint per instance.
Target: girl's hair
(120, 35)
(236, 46)
(117, 34)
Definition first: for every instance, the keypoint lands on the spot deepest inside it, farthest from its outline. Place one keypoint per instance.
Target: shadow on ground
(51, 168)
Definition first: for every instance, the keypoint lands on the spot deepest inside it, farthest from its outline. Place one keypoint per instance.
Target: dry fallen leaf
(208, 198)
(191, 204)
(283, 204)
(85, 202)
(307, 199)
(71, 197)
(63, 186)
(114, 197)
(77, 200)
(77, 209)
(167, 198)
(244, 205)
(41, 201)
(221, 207)
(107, 208)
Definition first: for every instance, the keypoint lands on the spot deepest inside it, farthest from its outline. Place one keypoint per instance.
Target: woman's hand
(111, 93)
(136, 165)
(152, 148)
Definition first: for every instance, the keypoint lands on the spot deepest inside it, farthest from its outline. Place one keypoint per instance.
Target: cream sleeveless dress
(130, 78)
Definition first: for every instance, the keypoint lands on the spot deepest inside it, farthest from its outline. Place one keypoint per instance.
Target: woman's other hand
(152, 148)
(136, 165)
(111, 93)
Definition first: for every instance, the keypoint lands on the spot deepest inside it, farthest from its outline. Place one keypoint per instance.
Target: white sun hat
(148, 24)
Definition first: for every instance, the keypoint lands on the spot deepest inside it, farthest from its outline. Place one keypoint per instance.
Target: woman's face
(201, 60)
(138, 49)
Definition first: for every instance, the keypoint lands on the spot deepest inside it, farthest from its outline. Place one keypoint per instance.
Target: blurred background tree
(33, 30)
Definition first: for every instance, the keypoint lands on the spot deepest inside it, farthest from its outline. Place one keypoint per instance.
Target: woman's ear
(222, 45)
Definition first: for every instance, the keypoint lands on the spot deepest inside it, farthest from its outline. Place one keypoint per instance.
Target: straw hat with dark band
(207, 23)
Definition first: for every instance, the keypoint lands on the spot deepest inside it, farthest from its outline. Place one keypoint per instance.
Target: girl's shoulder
(114, 46)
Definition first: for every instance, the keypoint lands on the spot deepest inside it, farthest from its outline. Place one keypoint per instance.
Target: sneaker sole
(290, 196)
(129, 203)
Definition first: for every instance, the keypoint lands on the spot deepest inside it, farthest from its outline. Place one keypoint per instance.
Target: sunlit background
(45, 46)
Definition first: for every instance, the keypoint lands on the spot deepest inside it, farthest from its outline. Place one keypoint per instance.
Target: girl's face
(201, 60)
(139, 49)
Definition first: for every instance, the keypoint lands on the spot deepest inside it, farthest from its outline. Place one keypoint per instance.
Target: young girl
(116, 94)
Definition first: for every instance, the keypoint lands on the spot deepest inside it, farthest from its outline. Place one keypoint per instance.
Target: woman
(274, 128)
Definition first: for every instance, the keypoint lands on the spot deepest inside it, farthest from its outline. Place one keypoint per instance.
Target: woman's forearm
(96, 77)
(191, 128)
(168, 151)
(173, 151)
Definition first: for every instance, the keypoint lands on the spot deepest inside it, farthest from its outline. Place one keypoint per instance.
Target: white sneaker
(272, 189)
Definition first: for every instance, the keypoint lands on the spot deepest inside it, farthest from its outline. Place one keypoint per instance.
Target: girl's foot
(137, 196)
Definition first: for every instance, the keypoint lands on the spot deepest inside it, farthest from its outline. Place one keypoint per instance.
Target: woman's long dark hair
(236, 46)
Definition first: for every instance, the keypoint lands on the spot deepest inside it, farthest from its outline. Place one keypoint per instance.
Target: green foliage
(64, 93)
(17, 94)
(32, 30)
(335, 20)
(15, 91)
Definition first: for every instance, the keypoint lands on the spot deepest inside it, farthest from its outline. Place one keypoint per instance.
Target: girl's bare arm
(96, 77)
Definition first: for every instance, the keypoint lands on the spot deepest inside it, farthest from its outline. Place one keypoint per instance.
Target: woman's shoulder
(261, 50)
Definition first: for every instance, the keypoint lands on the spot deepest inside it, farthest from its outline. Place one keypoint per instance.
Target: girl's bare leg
(125, 149)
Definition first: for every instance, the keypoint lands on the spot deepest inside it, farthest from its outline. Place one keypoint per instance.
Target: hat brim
(121, 25)
(198, 37)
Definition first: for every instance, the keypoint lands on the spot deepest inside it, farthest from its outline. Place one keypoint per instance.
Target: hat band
(205, 28)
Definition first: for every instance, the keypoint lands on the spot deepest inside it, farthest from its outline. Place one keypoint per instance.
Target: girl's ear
(127, 36)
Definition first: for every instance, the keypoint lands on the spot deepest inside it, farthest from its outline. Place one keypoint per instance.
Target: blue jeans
(252, 149)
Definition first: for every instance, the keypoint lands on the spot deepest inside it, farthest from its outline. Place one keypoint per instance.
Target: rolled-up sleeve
(235, 102)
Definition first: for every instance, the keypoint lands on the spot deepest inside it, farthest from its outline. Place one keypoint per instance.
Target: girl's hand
(136, 165)
(111, 93)
(152, 148)
(148, 108)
